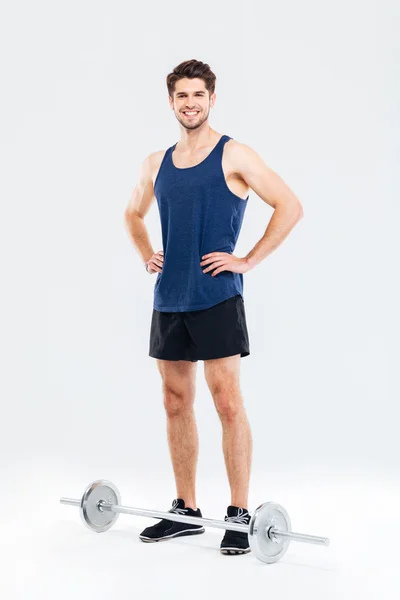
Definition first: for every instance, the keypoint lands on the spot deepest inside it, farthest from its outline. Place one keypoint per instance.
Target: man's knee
(228, 403)
(177, 400)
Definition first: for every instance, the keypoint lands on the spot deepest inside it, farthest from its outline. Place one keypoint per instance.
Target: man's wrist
(249, 262)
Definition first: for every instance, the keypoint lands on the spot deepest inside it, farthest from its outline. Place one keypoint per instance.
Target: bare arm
(139, 204)
(273, 190)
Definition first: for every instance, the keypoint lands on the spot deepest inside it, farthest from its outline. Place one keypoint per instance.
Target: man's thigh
(223, 374)
(178, 376)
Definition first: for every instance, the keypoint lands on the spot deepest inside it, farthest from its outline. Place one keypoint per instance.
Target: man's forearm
(281, 223)
(138, 233)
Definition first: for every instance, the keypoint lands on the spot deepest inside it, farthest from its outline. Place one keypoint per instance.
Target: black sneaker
(236, 542)
(165, 529)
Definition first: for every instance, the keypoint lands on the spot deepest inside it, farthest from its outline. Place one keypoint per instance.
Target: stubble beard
(195, 125)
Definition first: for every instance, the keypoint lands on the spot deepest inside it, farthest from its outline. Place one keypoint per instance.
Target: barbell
(269, 530)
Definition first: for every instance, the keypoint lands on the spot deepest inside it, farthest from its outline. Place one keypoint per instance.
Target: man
(201, 184)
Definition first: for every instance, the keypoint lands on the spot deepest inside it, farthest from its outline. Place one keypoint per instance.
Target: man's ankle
(190, 504)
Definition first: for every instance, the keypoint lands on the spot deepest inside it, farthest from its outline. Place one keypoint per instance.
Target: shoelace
(241, 517)
(175, 509)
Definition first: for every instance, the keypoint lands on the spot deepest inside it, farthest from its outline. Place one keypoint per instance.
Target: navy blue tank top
(199, 214)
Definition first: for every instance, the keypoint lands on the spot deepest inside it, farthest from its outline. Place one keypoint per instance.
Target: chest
(193, 173)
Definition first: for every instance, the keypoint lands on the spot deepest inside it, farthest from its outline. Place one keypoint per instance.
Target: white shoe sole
(177, 534)
(235, 550)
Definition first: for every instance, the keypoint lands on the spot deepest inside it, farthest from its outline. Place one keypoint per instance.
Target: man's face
(191, 102)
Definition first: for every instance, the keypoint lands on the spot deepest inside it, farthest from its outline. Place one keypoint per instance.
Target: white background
(313, 88)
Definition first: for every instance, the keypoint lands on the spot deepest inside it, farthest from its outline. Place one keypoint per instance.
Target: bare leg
(179, 393)
(222, 377)
(237, 448)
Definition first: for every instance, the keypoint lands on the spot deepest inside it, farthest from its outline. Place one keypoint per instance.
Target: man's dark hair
(192, 69)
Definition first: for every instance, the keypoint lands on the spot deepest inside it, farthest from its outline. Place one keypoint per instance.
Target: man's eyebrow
(197, 92)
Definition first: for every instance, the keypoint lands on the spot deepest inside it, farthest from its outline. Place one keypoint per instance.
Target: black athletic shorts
(213, 332)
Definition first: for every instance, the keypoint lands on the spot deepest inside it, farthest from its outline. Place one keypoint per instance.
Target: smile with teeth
(191, 113)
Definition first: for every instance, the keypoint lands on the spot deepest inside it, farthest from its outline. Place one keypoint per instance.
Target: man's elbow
(292, 208)
(130, 216)
(297, 209)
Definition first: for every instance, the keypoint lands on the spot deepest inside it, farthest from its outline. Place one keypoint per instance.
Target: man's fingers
(208, 261)
(155, 263)
(213, 266)
(154, 267)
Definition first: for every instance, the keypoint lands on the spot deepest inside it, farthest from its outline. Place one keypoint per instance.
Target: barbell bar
(269, 530)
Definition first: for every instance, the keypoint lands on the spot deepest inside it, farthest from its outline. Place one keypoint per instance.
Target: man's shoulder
(235, 148)
(156, 158)
(157, 155)
(153, 161)
(238, 153)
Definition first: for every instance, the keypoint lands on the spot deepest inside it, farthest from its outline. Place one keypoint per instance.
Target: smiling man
(202, 185)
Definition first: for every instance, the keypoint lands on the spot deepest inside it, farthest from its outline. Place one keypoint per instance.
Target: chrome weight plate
(94, 518)
(266, 548)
